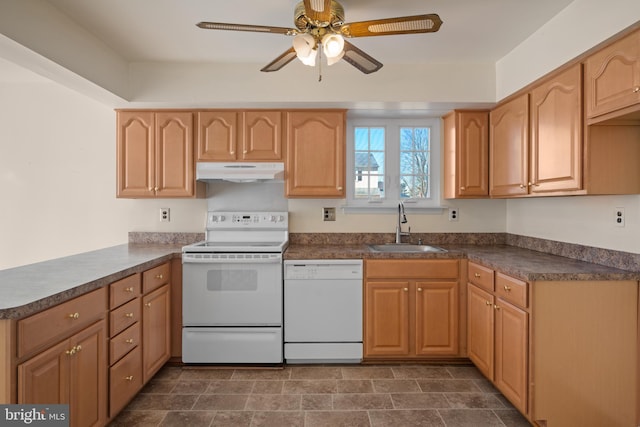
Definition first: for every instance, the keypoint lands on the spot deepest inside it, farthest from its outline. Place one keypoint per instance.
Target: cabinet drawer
(154, 278)
(123, 317)
(125, 379)
(124, 290)
(122, 343)
(50, 326)
(512, 290)
(411, 269)
(480, 276)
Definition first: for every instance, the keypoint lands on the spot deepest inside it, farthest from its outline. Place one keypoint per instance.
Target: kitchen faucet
(402, 219)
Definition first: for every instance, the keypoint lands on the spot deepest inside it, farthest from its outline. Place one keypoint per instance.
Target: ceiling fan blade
(318, 11)
(280, 61)
(362, 61)
(244, 27)
(384, 27)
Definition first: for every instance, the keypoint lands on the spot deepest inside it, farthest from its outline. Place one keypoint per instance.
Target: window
(389, 160)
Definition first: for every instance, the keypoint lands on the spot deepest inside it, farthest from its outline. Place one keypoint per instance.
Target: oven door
(232, 289)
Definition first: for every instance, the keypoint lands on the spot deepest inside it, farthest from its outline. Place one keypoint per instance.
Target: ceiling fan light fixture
(306, 49)
(333, 47)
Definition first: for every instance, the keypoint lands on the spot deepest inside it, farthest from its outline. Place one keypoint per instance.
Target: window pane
(369, 163)
(414, 163)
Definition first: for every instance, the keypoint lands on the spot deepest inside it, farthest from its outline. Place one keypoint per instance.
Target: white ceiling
(164, 30)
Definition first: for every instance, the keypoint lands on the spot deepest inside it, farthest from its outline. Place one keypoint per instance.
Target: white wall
(580, 220)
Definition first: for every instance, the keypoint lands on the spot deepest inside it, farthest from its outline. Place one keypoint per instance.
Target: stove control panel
(247, 219)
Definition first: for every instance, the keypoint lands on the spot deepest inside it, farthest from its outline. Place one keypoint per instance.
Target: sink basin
(405, 247)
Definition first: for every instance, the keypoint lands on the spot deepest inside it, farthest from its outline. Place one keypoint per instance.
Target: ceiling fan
(320, 27)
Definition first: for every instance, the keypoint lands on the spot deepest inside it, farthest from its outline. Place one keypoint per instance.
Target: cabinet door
(217, 135)
(556, 133)
(174, 154)
(480, 329)
(511, 335)
(509, 148)
(135, 154)
(466, 154)
(88, 377)
(316, 153)
(386, 312)
(613, 76)
(45, 377)
(156, 331)
(262, 135)
(437, 318)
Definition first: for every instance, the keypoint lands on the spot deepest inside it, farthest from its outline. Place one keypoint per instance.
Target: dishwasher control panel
(322, 269)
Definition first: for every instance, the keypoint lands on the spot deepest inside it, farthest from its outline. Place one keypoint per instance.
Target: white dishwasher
(323, 311)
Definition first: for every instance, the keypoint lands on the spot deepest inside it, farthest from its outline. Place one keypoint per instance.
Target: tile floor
(319, 396)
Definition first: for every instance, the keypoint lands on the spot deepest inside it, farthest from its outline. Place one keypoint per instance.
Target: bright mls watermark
(34, 415)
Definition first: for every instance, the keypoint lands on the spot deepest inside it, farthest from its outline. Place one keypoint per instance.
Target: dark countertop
(28, 289)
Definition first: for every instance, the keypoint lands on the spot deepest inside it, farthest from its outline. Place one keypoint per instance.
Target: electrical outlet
(618, 214)
(329, 214)
(165, 215)
(454, 213)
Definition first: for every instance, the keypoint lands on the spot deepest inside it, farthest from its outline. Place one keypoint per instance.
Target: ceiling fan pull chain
(319, 62)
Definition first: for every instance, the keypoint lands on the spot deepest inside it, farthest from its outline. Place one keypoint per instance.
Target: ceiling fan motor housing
(304, 23)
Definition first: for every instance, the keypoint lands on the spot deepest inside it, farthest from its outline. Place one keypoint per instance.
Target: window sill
(391, 209)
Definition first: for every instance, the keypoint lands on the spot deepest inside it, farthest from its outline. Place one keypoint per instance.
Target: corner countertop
(31, 288)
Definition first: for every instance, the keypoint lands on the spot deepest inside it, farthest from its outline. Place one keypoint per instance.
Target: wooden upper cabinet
(238, 135)
(612, 79)
(509, 148)
(155, 154)
(556, 133)
(466, 154)
(316, 152)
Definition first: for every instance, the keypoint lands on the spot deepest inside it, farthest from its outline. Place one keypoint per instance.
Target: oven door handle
(204, 259)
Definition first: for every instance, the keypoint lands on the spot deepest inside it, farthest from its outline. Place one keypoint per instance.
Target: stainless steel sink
(405, 247)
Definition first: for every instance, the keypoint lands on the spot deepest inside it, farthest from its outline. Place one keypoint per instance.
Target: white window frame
(392, 166)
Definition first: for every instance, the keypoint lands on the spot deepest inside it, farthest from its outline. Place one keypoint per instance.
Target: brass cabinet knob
(419, 289)
(128, 315)
(507, 288)
(488, 302)
(406, 289)
(497, 307)
(128, 289)
(159, 276)
(129, 378)
(148, 304)
(636, 89)
(463, 188)
(74, 315)
(71, 352)
(78, 348)
(523, 186)
(477, 275)
(129, 341)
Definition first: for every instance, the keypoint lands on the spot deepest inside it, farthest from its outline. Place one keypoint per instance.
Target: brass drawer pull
(488, 302)
(78, 348)
(128, 289)
(406, 289)
(159, 276)
(148, 304)
(477, 275)
(74, 315)
(129, 315)
(129, 341)
(129, 378)
(72, 351)
(507, 288)
(419, 289)
(497, 307)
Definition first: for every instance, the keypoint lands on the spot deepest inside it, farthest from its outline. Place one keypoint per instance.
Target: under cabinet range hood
(239, 171)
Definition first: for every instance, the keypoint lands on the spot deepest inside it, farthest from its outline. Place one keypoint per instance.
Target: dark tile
(512, 418)
(278, 419)
(228, 402)
(261, 374)
(474, 400)
(309, 386)
(232, 419)
(419, 401)
(190, 387)
(129, 418)
(485, 386)
(159, 386)
(354, 386)
(273, 402)
(470, 418)
(465, 372)
(337, 419)
(439, 386)
(440, 372)
(168, 373)
(361, 401)
(395, 386)
(188, 418)
(206, 374)
(267, 387)
(366, 372)
(316, 373)
(163, 402)
(229, 387)
(316, 402)
(406, 418)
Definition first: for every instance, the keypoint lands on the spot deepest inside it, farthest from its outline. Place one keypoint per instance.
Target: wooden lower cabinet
(72, 372)
(156, 331)
(564, 353)
(415, 316)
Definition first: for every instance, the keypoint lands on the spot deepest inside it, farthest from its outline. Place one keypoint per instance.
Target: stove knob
(221, 218)
(281, 218)
(272, 218)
